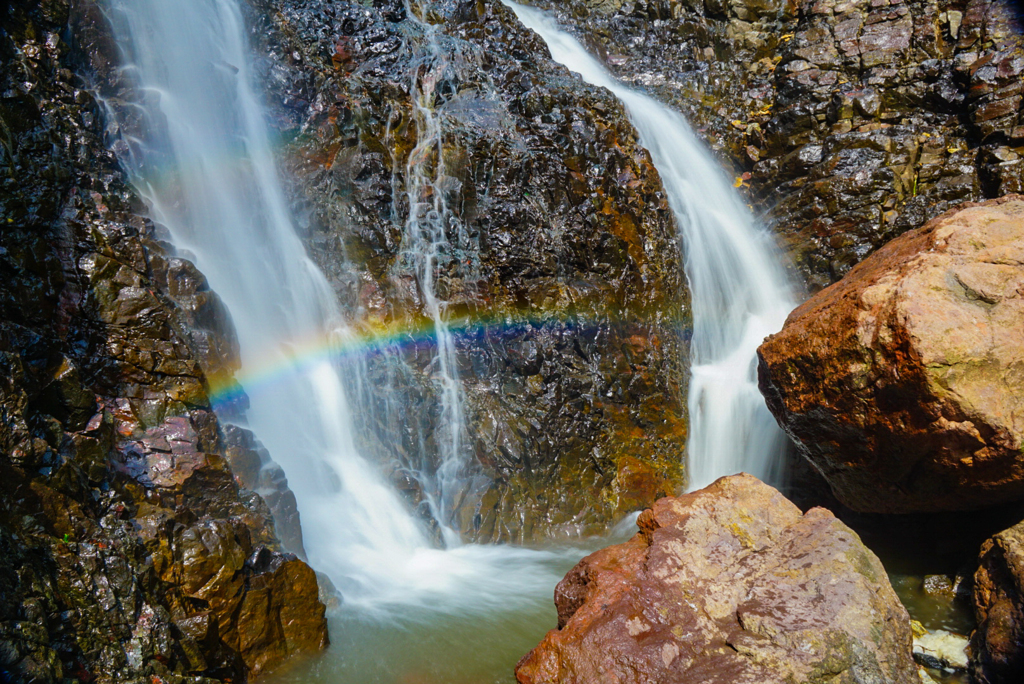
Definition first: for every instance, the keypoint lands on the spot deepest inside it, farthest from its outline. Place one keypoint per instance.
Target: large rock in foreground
(728, 584)
(997, 645)
(904, 382)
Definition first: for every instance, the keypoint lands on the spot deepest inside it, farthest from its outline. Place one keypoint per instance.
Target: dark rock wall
(127, 548)
(564, 281)
(847, 122)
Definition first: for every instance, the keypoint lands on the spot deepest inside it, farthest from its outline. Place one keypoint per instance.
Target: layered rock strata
(129, 550)
(730, 583)
(904, 382)
(561, 273)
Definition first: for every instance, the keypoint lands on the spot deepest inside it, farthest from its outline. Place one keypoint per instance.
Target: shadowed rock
(997, 645)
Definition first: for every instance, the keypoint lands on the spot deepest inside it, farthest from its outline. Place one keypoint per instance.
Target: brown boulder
(281, 613)
(733, 584)
(904, 382)
(997, 645)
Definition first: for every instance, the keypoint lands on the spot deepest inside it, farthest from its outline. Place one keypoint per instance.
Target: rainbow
(368, 339)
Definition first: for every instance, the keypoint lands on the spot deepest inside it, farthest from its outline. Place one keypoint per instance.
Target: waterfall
(202, 160)
(435, 243)
(198, 151)
(739, 291)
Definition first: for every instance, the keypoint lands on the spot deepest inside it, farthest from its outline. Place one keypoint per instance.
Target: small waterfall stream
(199, 153)
(435, 243)
(739, 290)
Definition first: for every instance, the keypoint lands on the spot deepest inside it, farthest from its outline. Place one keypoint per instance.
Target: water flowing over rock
(728, 584)
(904, 382)
(738, 288)
(997, 645)
(559, 275)
(129, 551)
(848, 122)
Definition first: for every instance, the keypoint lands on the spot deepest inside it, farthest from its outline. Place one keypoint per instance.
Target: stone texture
(728, 584)
(128, 551)
(997, 645)
(562, 278)
(941, 650)
(847, 122)
(904, 382)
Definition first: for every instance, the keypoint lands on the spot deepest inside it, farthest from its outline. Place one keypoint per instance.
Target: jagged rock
(562, 276)
(904, 382)
(848, 122)
(115, 496)
(730, 583)
(997, 645)
(254, 470)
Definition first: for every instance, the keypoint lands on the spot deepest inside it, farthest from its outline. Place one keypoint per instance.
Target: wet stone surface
(847, 122)
(125, 537)
(561, 273)
(730, 583)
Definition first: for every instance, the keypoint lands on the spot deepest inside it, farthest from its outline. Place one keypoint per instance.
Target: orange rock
(728, 584)
(903, 383)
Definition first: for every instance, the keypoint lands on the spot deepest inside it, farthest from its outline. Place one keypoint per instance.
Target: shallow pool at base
(434, 644)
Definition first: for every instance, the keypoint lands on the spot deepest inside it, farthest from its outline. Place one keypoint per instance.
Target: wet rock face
(561, 276)
(997, 645)
(847, 122)
(129, 550)
(728, 584)
(903, 382)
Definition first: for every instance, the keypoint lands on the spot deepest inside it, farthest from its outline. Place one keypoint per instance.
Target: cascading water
(198, 150)
(203, 162)
(739, 291)
(433, 241)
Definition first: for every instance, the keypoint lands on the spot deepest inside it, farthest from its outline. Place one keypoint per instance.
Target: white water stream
(739, 290)
(199, 152)
(203, 161)
(435, 243)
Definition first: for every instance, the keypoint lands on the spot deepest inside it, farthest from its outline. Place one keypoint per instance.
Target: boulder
(997, 645)
(731, 583)
(904, 382)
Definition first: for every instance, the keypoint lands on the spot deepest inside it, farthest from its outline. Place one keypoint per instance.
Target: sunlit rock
(730, 583)
(904, 382)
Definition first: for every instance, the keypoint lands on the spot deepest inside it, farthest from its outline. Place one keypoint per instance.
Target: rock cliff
(847, 122)
(561, 274)
(129, 549)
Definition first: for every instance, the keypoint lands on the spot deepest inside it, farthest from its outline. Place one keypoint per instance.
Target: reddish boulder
(727, 584)
(903, 383)
(997, 645)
